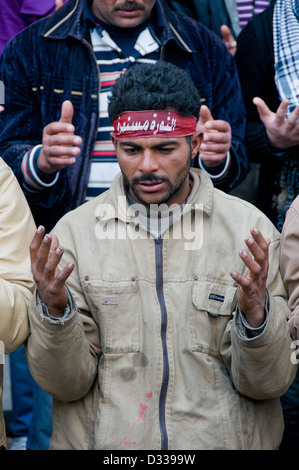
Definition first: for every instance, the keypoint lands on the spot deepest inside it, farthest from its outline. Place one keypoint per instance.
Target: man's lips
(129, 13)
(151, 186)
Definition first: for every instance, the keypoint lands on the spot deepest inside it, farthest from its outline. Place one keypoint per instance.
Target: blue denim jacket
(52, 60)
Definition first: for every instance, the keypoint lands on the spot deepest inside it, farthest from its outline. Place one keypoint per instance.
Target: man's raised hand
(60, 144)
(217, 137)
(45, 254)
(228, 39)
(252, 286)
(282, 131)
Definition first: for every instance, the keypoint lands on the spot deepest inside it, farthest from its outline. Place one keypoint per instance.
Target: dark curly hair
(157, 86)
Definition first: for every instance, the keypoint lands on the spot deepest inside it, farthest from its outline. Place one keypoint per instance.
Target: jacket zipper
(165, 377)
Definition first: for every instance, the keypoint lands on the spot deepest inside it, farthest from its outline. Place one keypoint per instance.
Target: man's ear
(196, 141)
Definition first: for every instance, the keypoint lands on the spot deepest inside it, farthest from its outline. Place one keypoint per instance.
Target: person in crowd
(290, 277)
(226, 18)
(267, 61)
(16, 282)
(55, 133)
(148, 348)
(289, 263)
(15, 15)
(269, 76)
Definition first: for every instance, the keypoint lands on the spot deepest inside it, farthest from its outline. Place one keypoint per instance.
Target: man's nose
(148, 163)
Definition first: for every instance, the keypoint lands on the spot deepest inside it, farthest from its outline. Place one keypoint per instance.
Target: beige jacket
(289, 262)
(16, 284)
(153, 355)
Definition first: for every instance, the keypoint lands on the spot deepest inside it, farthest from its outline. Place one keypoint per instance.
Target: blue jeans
(41, 425)
(21, 394)
(32, 407)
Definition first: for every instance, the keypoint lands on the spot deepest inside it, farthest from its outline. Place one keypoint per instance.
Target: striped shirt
(112, 62)
(247, 9)
(138, 45)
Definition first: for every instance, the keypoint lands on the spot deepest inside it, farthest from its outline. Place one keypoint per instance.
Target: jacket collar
(168, 25)
(68, 21)
(115, 205)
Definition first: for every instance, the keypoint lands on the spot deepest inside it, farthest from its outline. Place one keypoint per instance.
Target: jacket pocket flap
(214, 297)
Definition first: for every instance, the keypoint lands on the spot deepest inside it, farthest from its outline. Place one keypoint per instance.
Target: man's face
(156, 170)
(122, 13)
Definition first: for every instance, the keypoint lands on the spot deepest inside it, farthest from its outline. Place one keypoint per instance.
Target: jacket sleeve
(63, 354)
(23, 120)
(289, 264)
(16, 283)
(261, 367)
(227, 104)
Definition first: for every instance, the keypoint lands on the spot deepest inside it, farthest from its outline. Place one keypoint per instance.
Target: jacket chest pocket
(212, 308)
(115, 308)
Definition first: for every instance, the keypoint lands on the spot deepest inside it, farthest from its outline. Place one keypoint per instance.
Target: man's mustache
(129, 6)
(148, 178)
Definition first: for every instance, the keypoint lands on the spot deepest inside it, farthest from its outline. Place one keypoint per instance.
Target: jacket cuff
(34, 179)
(67, 312)
(244, 329)
(219, 172)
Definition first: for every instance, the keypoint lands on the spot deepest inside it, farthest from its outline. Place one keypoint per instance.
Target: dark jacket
(52, 61)
(278, 181)
(212, 13)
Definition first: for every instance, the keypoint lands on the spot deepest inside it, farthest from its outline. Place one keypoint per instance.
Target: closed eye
(166, 150)
(131, 150)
